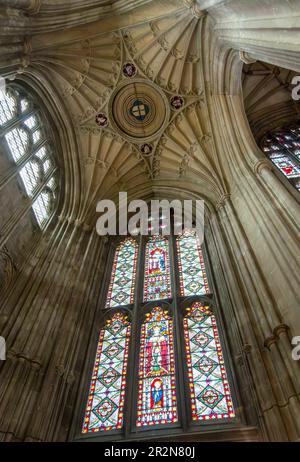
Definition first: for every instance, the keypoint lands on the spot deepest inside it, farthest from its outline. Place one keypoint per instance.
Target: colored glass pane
(157, 269)
(156, 388)
(285, 165)
(192, 274)
(209, 388)
(122, 284)
(283, 149)
(105, 405)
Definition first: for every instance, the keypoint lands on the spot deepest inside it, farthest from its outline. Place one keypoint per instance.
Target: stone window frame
(41, 193)
(176, 305)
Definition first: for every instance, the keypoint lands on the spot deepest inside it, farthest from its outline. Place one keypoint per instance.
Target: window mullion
(130, 413)
(14, 221)
(178, 345)
(19, 165)
(16, 121)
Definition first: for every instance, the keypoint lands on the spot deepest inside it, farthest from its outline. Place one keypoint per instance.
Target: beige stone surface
(73, 58)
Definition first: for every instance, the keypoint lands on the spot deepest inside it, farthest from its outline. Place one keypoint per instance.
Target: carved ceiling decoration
(138, 110)
(168, 51)
(137, 100)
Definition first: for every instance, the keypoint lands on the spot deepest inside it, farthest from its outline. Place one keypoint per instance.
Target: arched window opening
(160, 383)
(105, 405)
(122, 283)
(26, 142)
(208, 383)
(157, 385)
(283, 148)
(157, 269)
(192, 274)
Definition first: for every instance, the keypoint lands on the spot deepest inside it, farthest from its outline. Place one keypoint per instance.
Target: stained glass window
(155, 389)
(209, 388)
(25, 143)
(122, 284)
(157, 269)
(156, 386)
(192, 274)
(283, 149)
(105, 405)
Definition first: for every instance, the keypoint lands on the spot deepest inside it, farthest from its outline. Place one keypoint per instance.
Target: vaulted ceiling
(80, 57)
(86, 68)
(268, 98)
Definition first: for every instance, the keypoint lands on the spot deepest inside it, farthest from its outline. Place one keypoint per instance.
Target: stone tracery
(202, 153)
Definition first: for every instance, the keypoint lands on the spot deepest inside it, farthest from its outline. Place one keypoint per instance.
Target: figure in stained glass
(157, 394)
(157, 385)
(157, 350)
(157, 271)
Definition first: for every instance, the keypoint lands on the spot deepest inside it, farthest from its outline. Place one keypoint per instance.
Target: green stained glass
(122, 284)
(105, 405)
(209, 388)
(192, 274)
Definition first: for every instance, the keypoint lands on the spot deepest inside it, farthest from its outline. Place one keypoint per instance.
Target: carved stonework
(34, 7)
(246, 58)
(261, 165)
(9, 269)
(195, 10)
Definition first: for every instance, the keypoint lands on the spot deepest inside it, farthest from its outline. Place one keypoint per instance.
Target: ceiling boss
(138, 110)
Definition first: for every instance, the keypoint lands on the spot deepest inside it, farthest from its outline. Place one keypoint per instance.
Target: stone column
(47, 322)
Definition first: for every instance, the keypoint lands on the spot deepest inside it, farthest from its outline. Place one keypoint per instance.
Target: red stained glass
(157, 284)
(209, 388)
(122, 283)
(105, 404)
(192, 274)
(282, 148)
(157, 388)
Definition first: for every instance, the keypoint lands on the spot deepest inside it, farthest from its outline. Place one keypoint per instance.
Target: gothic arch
(138, 311)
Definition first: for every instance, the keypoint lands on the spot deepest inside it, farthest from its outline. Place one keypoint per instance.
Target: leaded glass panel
(192, 274)
(157, 283)
(157, 386)
(121, 288)
(105, 407)
(209, 388)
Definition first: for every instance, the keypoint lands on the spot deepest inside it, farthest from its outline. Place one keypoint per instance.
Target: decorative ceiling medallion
(101, 119)
(146, 149)
(129, 70)
(177, 102)
(138, 110)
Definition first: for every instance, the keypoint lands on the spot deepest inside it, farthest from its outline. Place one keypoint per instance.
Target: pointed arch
(157, 283)
(122, 283)
(105, 405)
(27, 142)
(156, 381)
(208, 383)
(192, 273)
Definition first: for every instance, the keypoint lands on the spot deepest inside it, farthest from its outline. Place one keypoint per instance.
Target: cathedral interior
(136, 338)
